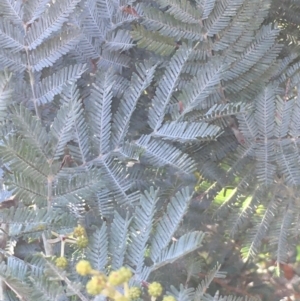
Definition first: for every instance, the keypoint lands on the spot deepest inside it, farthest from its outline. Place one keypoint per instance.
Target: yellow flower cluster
(81, 238)
(78, 236)
(96, 285)
(82, 242)
(79, 231)
(83, 268)
(155, 289)
(134, 293)
(61, 262)
(120, 276)
(100, 284)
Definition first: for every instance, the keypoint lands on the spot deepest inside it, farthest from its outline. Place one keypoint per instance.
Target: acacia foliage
(101, 100)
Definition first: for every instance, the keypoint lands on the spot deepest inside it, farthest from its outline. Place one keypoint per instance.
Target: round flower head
(79, 231)
(155, 289)
(134, 292)
(125, 273)
(83, 267)
(61, 262)
(115, 278)
(82, 242)
(96, 285)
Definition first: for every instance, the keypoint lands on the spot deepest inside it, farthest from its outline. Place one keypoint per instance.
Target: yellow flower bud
(155, 289)
(125, 273)
(115, 278)
(79, 231)
(96, 285)
(83, 267)
(82, 242)
(134, 292)
(61, 262)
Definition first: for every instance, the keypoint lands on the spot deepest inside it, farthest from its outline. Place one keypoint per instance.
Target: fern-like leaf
(153, 41)
(54, 84)
(140, 80)
(221, 15)
(13, 10)
(119, 240)
(10, 36)
(70, 189)
(184, 245)
(204, 84)
(5, 93)
(99, 111)
(167, 25)
(22, 157)
(31, 128)
(206, 7)
(62, 127)
(159, 153)
(51, 21)
(181, 10)
(166, 87)
(47, 54)
(119, 40)
(203, 286)
(169, 223)
(141, 229)
(98, 249)
(187, 132)
(115, 176)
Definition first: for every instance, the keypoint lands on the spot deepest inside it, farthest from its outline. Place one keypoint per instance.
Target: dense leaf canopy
(123, 116)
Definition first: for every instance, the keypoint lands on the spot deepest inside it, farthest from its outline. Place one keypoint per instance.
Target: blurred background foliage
(261, 276)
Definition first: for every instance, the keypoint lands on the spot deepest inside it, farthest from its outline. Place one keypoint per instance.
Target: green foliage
(99, 132)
